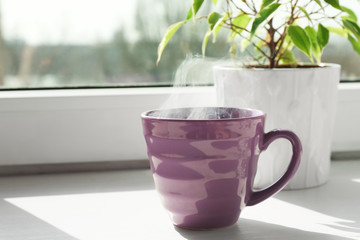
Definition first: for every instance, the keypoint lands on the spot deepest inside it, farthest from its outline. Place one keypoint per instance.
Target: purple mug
(204, 168)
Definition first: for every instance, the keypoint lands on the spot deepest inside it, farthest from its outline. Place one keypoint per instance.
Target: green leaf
(300, 39)
(240, 22)
(205, 41)
(263, 15)
(218, 26)
(288, 57)
(339, 31)
(213, 18)
(352, 15)
(216, 21)
(288, 44)
(348, 18)
(319, 3)
(266, 3)
(322, 36)
(334, 3)
(352, 27)
(315, 48)
(214, 2)
(166, 38)
(355, 44)
(306, 13)
(194, 8)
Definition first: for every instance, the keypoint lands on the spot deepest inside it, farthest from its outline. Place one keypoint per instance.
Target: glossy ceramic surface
(204, 169)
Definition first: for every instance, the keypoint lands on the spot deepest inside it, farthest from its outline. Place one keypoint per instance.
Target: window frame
(102, 125)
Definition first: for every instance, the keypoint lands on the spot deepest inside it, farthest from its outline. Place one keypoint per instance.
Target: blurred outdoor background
(107, 43)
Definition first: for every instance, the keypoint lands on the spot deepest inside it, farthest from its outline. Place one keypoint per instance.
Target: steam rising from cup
(191, 77)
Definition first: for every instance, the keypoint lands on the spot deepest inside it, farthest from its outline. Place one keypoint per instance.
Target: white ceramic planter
(302, 100)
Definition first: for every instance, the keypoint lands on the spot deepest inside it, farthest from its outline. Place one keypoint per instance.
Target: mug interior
(204, 113)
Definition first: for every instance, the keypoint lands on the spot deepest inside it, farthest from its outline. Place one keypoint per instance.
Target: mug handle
(269, 137)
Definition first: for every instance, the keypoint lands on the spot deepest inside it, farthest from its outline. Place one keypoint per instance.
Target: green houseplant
(274, 27)
(297, 96)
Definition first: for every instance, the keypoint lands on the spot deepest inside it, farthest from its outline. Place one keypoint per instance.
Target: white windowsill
(124, 205)
(93, 125)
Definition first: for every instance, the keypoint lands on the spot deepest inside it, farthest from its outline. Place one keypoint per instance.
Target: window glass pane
(82, 43)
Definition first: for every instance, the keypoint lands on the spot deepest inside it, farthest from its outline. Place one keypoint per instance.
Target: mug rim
(257, 114)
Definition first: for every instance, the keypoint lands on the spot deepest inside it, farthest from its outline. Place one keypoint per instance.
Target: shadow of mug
(249, 229)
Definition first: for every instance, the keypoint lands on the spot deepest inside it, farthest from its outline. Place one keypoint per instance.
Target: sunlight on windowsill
(357, 180)
(282, 213)
(97, 215)
(125, 215)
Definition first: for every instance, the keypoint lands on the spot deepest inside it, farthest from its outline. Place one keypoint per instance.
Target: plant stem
(271, 44)
(279, 52)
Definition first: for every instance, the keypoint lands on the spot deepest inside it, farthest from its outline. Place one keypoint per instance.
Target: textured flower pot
(300, 99)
